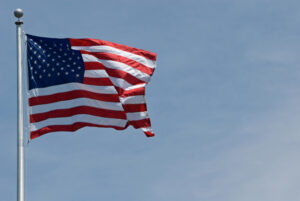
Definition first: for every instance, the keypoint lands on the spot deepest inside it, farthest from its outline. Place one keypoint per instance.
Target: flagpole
(20, 154)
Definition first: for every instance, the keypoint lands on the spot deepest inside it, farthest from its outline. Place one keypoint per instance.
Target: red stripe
(132, 92)
(72, 95)
(135, 107)
(140, 123)
(70, 128)
(125, 76)
(97, 81)
(113, 72)
(94, 42)
(77, 110)
(94, 66)
(149, 134)
(118, 58)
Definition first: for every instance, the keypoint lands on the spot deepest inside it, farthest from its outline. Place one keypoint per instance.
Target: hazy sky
(224, 103)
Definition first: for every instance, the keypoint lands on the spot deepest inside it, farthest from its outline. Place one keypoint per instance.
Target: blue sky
(224, 103)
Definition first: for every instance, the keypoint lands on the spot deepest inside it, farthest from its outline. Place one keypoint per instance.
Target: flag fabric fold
(74, 83)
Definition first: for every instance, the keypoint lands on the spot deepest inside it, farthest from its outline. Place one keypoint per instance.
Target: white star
(35, 72)
(31, 68)
(65, 54)
(40, 66)
(40, 76)
(63, 61)
(53, 69)
(62, 68)
(58, 73)
(43, 60)
(49, 75)
(48, 65)
(79, 67)
(73, 70)
(54, 52)
(39, 56)
(57, 64)
(32, 77)
(59, 56)
(70, 58)
(30, 48)
(78, 57)
(77, 75)
(44, 70)
(60, 49)
(34, 52)
(73, 53)
(54, 45)
(48, 55)
(67, 73)
(74, 63)
(35, 62)
(31, 58)
(53, 59)
(68, 65)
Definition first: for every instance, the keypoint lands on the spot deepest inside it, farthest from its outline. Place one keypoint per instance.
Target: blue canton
(52, 62)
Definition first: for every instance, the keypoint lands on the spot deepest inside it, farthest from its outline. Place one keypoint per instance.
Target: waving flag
(75, 83)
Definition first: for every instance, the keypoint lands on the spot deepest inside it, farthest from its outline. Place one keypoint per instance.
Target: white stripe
(95, 73)
(70, 87)
(117, 65)
(119, 82)
(136, 86)
(133, 116)
(85, 118)
(133, 100)
(74, 103)
(107, 49)
(147, 129)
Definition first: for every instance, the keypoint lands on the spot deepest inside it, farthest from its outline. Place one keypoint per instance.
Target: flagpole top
(18, 14)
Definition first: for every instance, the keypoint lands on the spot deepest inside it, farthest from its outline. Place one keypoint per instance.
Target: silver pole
(20, 178)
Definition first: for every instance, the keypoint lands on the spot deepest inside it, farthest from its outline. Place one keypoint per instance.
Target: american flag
(75, 83)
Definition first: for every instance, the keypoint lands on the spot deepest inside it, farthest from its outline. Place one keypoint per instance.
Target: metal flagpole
(20, 177)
